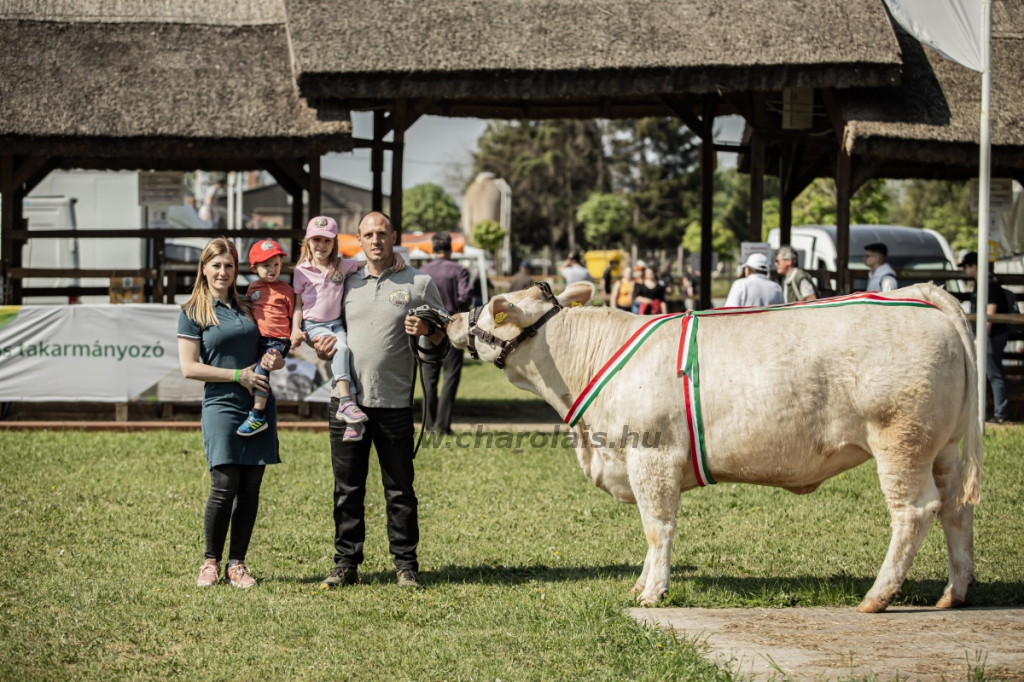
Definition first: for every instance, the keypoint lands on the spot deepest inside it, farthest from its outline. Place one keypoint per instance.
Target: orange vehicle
(348, 244)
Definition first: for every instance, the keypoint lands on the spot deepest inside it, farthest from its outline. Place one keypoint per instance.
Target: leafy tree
(488, 234)
(940, 205)
(732, 203)
(654, 163)
(723, 241)
(816, 205)
(428, 207)
(551, 166)
(605, 218)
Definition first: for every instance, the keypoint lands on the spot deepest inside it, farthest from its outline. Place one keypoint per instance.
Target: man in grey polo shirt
(375, 305)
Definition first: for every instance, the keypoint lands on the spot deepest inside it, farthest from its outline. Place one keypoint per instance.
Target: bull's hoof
(651, 600)
(872, 606)
(637, 589)
(948, 601)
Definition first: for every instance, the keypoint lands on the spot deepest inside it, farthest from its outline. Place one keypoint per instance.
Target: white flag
(950, 27)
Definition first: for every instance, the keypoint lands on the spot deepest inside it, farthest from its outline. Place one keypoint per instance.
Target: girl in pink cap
(319, 283)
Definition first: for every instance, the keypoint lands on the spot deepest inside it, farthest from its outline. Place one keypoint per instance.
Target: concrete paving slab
(914, 643)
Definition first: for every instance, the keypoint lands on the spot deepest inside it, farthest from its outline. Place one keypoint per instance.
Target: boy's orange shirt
(272, 307)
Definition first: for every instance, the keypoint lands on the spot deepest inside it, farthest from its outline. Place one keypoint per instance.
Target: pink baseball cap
(322, 226)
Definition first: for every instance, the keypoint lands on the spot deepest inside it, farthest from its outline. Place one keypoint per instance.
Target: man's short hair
(373, 217)
(442, 242)
(879, 248)
(787, 252)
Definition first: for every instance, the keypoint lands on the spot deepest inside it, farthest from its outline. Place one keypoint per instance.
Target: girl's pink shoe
(350, 413)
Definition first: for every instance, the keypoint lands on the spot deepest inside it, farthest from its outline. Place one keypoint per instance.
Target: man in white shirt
(883, 277)
(572, 270)
(755, 289)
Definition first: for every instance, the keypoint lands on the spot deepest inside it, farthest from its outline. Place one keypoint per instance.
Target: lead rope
(432, 355)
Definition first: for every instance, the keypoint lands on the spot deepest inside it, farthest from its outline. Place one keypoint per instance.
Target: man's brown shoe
(209, 574)
(239, 576)
(341, 577)
(409, 579)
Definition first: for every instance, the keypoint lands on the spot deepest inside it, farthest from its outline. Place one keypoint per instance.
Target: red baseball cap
(264, 250)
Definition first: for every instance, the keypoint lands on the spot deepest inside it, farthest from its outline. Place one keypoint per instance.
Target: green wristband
(238, 373)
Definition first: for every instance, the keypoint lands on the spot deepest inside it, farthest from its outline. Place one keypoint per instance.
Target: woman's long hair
(199, 306)
(307, 254)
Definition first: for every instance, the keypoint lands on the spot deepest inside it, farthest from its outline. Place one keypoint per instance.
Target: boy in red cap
(272, 305)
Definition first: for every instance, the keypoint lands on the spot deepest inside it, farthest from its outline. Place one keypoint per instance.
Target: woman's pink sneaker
(349, 412)
(239, 576)
(209, 574)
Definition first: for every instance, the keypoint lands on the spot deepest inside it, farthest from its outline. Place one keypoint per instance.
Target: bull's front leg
(654, 479)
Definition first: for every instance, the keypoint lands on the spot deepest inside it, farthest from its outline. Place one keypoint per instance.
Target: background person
(883, 277)
(522, 279)
(754, 289)
(452, 282)
(622, 291)
(572, 270)
(998, 335)
(219, 344)
(797, 285)
(648, 294)
(376, 300)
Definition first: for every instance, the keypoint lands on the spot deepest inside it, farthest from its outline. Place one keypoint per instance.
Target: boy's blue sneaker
(252, 425)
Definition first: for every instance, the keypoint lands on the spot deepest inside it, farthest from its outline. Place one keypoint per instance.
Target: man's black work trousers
(391, 432)
(439, 414)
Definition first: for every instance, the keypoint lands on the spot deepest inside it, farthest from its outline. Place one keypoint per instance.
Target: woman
(649, 294)
(218, 343)
(622, 291)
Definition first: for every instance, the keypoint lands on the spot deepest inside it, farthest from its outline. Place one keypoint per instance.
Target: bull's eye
(510, 305)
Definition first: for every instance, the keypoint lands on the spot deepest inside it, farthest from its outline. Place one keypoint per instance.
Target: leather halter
(509, 346)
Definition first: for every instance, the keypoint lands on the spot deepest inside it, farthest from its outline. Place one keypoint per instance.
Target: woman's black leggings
(234, 499)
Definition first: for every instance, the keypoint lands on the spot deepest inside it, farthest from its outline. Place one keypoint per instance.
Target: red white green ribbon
(687, 367)
(612, 367)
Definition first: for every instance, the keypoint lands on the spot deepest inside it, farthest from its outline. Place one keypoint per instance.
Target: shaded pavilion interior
(883, 106)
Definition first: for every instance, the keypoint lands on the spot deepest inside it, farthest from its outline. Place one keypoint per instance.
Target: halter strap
(509, 346)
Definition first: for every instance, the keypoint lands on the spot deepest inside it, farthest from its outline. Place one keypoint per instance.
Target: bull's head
(507, 316)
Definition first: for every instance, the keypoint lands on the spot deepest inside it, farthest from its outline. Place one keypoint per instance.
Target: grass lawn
(526, 565)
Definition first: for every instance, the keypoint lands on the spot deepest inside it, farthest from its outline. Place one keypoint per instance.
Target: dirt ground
(913, 643)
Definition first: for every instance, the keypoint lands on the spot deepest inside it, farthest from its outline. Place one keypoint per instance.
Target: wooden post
(297, 210)
(785, 198)
(844, 184)
(398, 124)
(377, 162)
(7, 225)
(159, 257)
(707, 212)
(314, 186)
(756, 186)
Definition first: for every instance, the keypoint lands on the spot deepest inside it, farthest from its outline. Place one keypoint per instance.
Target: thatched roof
(932, 117)
(153, 78)
(353, 49)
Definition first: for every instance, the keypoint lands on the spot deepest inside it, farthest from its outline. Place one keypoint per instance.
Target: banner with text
(116, 353)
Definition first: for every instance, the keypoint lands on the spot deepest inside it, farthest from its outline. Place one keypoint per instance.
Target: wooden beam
(682, 108)
(377, 161)
(21, 273)
(361, 143)
(283, 177)
(9, 215)
(158, 233)
(399, 128)
(785, 200)
(835, 112)
(844, 182)
(756, 187)
(28, 168)
(707, 208)
(314, 188)
(864, 171)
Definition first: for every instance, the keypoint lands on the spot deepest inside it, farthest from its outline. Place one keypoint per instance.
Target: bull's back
(790, 397)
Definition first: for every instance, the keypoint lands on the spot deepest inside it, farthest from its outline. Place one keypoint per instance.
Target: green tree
(427, 207)
(654, 163)
(488, 234)
(723, 241)
(732, 203)
(940, 205)
(605, 218)
(871, 204)
(551, 166)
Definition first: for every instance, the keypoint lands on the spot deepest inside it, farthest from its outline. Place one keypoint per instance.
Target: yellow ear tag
(576, 304)
(500, 317)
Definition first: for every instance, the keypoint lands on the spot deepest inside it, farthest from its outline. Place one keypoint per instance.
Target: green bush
(487, 234)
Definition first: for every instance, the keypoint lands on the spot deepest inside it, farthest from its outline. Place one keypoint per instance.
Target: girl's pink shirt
(322, 292)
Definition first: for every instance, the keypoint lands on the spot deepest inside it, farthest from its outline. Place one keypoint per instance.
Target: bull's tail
(972, 451)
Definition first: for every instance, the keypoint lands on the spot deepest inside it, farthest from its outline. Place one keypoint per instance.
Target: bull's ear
(577, 294)
(505, 312)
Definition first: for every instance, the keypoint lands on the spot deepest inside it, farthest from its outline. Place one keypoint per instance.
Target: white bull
(789, 399)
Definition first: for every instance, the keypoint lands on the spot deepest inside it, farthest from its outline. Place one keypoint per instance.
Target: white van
(910, 248)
